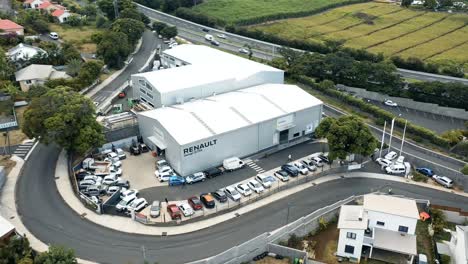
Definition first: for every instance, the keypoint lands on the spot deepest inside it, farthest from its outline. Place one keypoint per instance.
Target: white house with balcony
(458, 245)
(382, 228)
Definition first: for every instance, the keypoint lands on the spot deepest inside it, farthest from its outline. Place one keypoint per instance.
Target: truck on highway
(209, 37)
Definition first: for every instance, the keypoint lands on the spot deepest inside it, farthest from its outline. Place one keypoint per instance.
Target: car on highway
(196, 177)
(53, 35)
(383, 162)
(243, 189)
(282, 175)
(186, 209)
(444, 181)
(391, 155)
(390, 103)
(130, 192)
(243, 51)
(155, 209)
(195, 203)
(309, 165)
(174, 212)
(220, 195)
(425, 171)
(213, 172)
(263, 180)
(221, 36)
(290, 169)
(215, 42)
(255, 186)
(137, 205)
(300, 167)
(176, 180)
(122, 205)
(232, 193)
(205, 30)
(207, 200)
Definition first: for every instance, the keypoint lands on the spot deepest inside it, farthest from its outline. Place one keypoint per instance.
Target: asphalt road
(44, 213)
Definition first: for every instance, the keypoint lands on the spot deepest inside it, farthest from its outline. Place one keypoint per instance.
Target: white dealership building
(219, 107)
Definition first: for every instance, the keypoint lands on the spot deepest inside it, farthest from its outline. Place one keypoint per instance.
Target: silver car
(155, 209)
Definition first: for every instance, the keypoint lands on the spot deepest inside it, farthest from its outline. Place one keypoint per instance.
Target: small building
(23, 52)
(46, 5)
(9, 27)
(384, 226)
(34, 4)
(458, 245)
(37, 74)
(61, 15)
(200, 134)
(7, 230)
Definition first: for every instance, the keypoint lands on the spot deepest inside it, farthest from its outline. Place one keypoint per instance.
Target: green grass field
(386, 28)
(232, 11)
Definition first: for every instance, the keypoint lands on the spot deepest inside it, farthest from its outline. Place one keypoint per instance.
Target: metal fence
(74, 185)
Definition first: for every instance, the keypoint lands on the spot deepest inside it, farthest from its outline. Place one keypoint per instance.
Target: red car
(195, 203)
(122, 95)
(174, 212)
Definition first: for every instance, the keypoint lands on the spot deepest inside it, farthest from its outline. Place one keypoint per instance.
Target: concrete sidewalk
(124, 224)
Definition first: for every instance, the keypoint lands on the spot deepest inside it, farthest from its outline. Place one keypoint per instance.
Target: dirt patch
(270, 260)
(88, 48)
(326, 244)
(7, 163)
(16, 136)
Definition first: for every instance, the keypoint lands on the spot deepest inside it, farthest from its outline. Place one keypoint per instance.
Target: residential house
(7, 230)
(47, 6)
(459, 245)
(10, 27)
(382, 228)
(23, 52)
(32, 3)
(36, 74)
(61, 15)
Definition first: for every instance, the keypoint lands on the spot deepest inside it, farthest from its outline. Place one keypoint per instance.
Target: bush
(190, 14)
(464, 170)
(295, 242)
(419, 177)
(444, 259)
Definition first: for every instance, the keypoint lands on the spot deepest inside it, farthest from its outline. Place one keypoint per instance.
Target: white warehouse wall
(392, 222)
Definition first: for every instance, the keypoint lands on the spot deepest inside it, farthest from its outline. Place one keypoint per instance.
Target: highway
(44, 213)
(261, 49)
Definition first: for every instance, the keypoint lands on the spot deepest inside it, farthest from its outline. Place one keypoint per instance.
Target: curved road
(44, 213)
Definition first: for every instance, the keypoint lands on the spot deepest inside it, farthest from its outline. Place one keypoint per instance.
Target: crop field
(385, 28)
(232, 11)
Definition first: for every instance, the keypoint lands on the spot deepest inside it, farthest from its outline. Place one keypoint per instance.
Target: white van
(396, 169)
(120, 153)
(233, 163)
(209, 37)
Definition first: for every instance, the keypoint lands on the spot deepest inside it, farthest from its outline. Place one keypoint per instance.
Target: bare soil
(327, 241)
(270, 260)
(7, 163)
(16, 136)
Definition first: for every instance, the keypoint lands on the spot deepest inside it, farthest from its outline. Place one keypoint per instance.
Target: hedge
(376, 111)
(194, 16)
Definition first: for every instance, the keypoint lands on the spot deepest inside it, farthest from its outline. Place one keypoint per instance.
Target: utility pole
(391, 135)
(383, 138)
(403, 139)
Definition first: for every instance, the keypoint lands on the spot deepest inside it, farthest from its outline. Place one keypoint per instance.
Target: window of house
(349, 249)
(28, 81)
(149, 95)
(143, 99)
(148, 86)
(403, 229)
(380, 223)
(296, 134)
(142, 91)
(142, 82)
(152, 105)
(351, 235)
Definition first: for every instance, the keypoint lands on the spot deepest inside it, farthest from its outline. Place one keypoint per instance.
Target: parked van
(233, 163)
(209, 37)
(396, 169)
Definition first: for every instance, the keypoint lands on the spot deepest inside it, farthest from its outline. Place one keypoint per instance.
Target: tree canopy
(132, 28)
(346, 135)
(113, 47)
(64, 117)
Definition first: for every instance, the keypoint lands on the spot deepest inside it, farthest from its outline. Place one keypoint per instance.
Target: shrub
(295, 242)
(419, 177)
(190, 14)
(322, 224)
(464, 170)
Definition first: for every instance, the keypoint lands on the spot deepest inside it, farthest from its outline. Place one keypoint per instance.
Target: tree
(56, 255)
(130, 13)
(90, 72)
(169, 32)
(159, 26)
(464, 170)
(73, 67)
(431, 4)
(114, 48)
(89, 10)
(7, 69)
(64, 117)
(438, 220)
(132, 28)
(446, 3)
(346, 135)
(406, 3)
(74, 21)
(107, 7)
(17, 250)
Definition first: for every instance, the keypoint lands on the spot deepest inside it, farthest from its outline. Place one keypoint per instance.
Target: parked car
(81, 174)
(444, 181)
(318, 162)
(396, 169)
(134, 150)
(115, 170)
(94, 178)
(196, 177)
(122, 205)
(282, 175)
(155, 209)
(220, 195)
(221, 36)
(165, 177)
(109, 180)
(143, 148)
(391, 155)
(425, 171)
(205, 30)
(422, 259)
(110, 190)
(93, 190)
(324, 158)
(383, 162)
(174, 211)
(301, 168)
(137, 205)
(129, 193)
(233, 163)
(400, 160)
(85, 183)
(121, 183)
(255, 186)
(164, 169)
(232, 193)
(162, 163)
(176, 180)
(186, 209)
(390, 103)
(271, 179)
(290, 169)
(120, 153)
(309, 165)
(263, 180)
(243, 189)
(213, 172)
(116, 163)
(207, 200)
(53, 35)
(195, 203)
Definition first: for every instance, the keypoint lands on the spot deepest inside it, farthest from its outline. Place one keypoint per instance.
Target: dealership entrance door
(284, 136)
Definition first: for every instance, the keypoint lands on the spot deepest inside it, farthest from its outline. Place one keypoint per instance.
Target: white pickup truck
(91, 164)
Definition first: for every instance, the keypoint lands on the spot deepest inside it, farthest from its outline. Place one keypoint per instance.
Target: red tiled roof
(8, 24)
(60, 7)
(44, 4)
(58, 12)
(28, 1)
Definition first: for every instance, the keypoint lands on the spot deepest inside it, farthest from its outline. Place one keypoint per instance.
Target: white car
(282, 175)
(255, 186)
(243, 189)
(116, 163)
(391, 155)
(108, 180)
(120, 153)
(302, 169)
(115, 170)
(186, 209)
(164, 177)
(390, 103)
(318, 162)
(232, 193)
(113, 189)
(129, 193)
(126, 201)
(164, 169)
(161, 163)
(264, 180)
(383, 162)
(309, 165)
(137, 205)
(444, 181)
(400, 160)
(221, 36)
(96, 179)
(53, 35)
(396, 169)
(243, 51)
